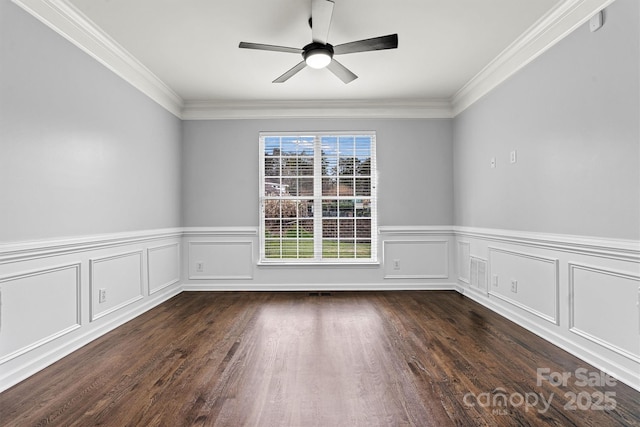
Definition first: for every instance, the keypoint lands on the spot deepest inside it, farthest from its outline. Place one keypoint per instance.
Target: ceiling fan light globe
(318, 59)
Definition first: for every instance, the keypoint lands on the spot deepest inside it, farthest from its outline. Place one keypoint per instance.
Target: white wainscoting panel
(416, 259)
(464, 261)
(604, 308)
(49, 292)
(221, 260)
(578, 292)
(163, 266)
(536, 280)
(38, 307)
(575, 291)
(121, 277)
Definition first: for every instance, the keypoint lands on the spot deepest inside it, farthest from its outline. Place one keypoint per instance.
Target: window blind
(318, 197)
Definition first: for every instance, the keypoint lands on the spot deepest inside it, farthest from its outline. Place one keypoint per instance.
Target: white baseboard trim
(313, 287)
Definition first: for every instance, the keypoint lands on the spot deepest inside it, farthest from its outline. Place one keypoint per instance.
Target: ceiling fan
(319, 53)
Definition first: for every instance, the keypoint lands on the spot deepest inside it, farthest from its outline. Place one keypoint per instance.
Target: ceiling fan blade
(321, 13)
(342, 72)
(259, 46)
(376, 43)
(286, 76)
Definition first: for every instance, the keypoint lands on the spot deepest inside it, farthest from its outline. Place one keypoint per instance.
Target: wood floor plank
(290, 359)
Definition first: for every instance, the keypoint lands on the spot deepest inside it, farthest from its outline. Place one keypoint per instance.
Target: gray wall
(573, 116)
(82, 151)
(220, 169)
(85, 153)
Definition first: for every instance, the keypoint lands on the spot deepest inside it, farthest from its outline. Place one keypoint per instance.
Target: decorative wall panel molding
(229, 257)
(416, 259)
(61, 277)
(220, 260)
(604, 308)
(163, 266)
(464, 261)
(26, 296)
(120, 277)
(578, 292)
(527, 281)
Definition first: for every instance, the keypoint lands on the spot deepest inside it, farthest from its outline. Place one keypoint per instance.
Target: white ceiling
(185, 52)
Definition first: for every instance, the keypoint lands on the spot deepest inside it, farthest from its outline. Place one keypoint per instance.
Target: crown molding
(73, 25)
(541, 36)
(68, 21)
(407, 109)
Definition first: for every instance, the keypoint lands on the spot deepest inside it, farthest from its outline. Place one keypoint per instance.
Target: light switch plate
(596, 21)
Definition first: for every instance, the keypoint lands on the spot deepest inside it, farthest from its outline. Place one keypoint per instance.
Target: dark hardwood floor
(345, 359)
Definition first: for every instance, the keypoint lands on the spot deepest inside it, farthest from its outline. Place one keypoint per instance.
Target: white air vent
(478, 273)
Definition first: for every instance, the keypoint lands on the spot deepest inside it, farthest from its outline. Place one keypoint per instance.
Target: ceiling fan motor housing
(317, 55)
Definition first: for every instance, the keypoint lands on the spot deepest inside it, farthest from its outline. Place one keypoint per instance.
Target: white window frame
(318, 198)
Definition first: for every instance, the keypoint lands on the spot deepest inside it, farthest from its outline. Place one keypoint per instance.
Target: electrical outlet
(396, 264)
(102, 296)
(514, 286)
(199, 267)
(493, 163)
(494, 280)
(513, 158)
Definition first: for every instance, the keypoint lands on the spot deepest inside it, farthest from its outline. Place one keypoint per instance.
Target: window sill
(324, 264)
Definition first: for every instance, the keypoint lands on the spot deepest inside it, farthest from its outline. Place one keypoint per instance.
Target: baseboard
(310, 287)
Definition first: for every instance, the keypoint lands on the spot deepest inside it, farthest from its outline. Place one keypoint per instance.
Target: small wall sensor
(596, 21)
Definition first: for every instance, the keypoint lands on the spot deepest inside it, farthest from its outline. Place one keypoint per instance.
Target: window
(318, 200)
